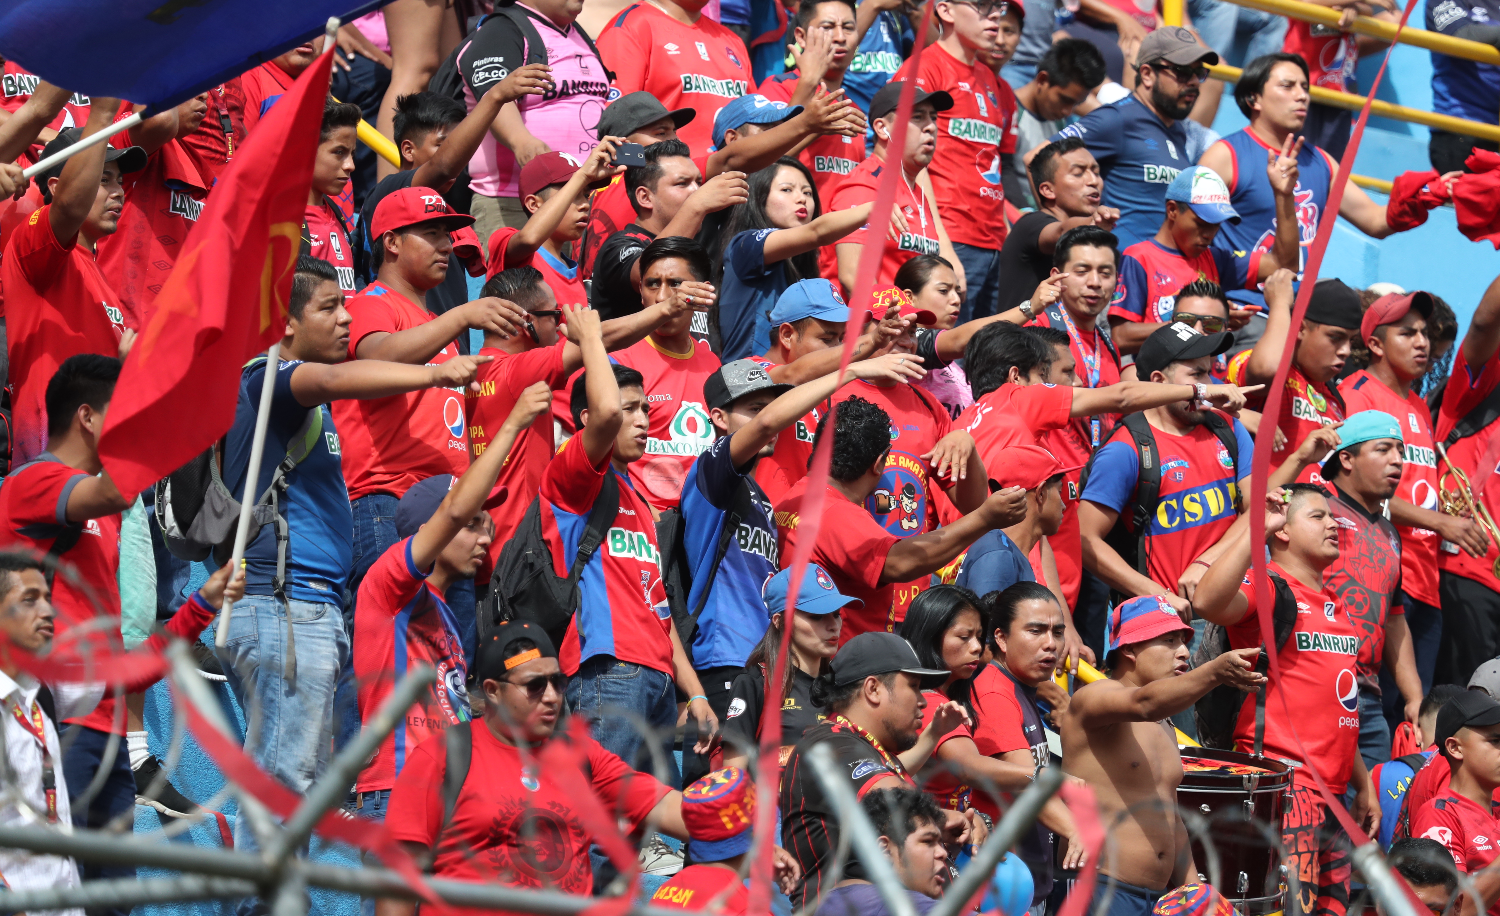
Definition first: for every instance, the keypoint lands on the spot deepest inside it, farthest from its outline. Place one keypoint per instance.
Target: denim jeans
(1374, 731)
(172, 572)
(288, 725)
(981, 280)
(372, 806)
(620, 699)
(374, 533)
(84, 750)
(1218, 23)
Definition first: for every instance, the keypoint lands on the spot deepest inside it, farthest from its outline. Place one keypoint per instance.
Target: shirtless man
(1116, 738)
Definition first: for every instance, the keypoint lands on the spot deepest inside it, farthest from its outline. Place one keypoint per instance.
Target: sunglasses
(537, 686)
(1212, 324)
(1185, 74)
(554, 314)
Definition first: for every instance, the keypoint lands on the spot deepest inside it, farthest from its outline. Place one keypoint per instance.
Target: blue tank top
(1251, 196)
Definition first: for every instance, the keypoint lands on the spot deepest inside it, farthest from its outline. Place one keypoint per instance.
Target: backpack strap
(739, 508)
(1224, 430)
(1483, 414)
(1283, 622)
(459, 740)
(536, 52)
(1147, 484)
(606, 509)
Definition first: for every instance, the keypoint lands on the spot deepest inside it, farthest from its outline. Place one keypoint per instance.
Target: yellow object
(1378, 28)
(1171, 12)
(1089, 674)
(378, 142)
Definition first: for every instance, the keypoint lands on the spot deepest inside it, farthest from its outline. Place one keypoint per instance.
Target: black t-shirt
(614, 296)
(1022, 263)
(798, 714)
(809, 823)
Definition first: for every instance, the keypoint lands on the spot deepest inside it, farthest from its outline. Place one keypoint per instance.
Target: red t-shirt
(966, 167)
(263, 85)
(936, 778)
(1468, 386)
(696, 886)
(1331, 59)
(500, 385)
(33, 514)
(703, 66)
(1304, 407)
(162, 204)
(391, 443)
(212, 142)
(859, 187)
(1419, 546)
(852, 547)
(1317, 685)
(511, 823)
(57, 304)
(831, 156)
(902, 503)
(329, 241)
(1007, 720)
(566, 283)
(400, 623)
(17, 85)
(1467, 829)
(788, 463)
(680, 430)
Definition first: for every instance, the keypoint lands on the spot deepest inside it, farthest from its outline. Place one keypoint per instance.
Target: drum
(1239, 795)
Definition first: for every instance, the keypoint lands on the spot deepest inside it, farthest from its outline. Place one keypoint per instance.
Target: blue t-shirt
(320, 552)
(750, 290)
(993, 564)
(1138, 157)
(880, 54)
(1463, 88)
(734, 618)
(1392, 779)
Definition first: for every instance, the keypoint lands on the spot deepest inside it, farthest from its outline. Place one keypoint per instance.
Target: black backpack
(524, 586)
(448, 81)
(677, 575)
(1219, 709)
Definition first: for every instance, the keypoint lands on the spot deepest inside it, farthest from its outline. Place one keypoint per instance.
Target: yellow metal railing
(378, 142)
(1379, 28)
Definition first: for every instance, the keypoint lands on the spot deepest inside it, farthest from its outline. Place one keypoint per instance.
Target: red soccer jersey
(702, 66)
(214, 142)
(1466, 828)
(852, 547)
(831, 156)
(162, 203)
(609, 212)
(1366, 578)
(33, 515)
(329, 242)
(500, 385)
(680, 429)
(859, 187)
(696, 886)
(16, 86)
(566, 282)
(1304, 407)
(512, 823)
(1317, 686)
(391, 443)
(401, 622)
(263, 85)
(966, 167)
(1468, 386)
(57, 304)
(1151, 274)
(1331, 59)
(1419, 546)
(623, 609)
(788, 463)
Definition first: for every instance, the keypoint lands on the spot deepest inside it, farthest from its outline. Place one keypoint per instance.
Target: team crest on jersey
(1226, 462)
(899, 503)
(528, 779)
(732, 57)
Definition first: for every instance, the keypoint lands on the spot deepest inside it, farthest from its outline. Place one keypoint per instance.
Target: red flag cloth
(1476, 197)
(225, 301)
(1412, 195)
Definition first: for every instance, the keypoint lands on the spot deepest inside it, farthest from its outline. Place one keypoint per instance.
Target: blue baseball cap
(1205, 192)
(750, 109)
(423, 498)
(809, 299)
(818, 594)
(1140, 619)
(1368, 425)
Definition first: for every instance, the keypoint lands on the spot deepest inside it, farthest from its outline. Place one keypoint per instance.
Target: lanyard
(36, 728)
(224, 122)
(891, 762)
(1090, 364)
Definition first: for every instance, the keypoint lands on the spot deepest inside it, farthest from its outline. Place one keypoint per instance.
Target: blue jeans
(372, 806)
(608, 691)
(981, 279)
(172, 572)
(374, 533)
(1374, 731)
(84, 752)
(288, 726)
(1219, 22)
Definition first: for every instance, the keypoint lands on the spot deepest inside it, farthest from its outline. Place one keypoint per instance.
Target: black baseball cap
(1470, 709)
(1334, 303)
(734, 380)
(889, 97)
(503, 650)
(130, 159)
(634, 110)
(1173, 342)
(880, 653)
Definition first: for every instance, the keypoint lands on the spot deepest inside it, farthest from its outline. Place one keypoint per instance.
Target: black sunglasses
(537, 686)
(1184, 74)
(1212, 324)
(554, 314)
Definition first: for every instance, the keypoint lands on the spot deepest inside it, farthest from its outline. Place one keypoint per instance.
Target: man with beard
(1140, 141)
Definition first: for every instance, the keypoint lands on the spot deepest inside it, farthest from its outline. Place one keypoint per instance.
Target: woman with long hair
(946, 628)
(771, 242)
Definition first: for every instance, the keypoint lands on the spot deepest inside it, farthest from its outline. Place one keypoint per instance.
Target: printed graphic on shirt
(899, 502)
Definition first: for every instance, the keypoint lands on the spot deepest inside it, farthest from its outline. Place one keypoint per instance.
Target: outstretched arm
(1110, 702)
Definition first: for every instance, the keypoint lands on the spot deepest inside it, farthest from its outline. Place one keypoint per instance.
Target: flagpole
(252, 477)
(91, 140)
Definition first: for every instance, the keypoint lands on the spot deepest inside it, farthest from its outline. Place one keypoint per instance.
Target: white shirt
(25, 801)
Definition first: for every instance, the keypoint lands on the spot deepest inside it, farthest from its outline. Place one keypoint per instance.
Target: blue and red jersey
(1151, 274)
(622, 609)
(1196, 502)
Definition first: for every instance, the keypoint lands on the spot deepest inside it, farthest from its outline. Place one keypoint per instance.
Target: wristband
(698, 697)
(1200, 394)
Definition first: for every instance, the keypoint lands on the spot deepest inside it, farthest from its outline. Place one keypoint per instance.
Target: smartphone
(629, 154)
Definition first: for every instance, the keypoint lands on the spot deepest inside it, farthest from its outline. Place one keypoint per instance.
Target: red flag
(225, 300)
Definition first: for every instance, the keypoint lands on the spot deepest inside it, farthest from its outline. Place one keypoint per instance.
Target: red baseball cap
(548, 169)
(1392, 307)
(410, 206)
(1025, 466)
(1140, 619)
(884, 298)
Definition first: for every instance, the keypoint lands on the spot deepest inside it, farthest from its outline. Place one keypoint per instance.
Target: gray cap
(634, 110)
(734, 380)
(1175, 45)
(1487, 678)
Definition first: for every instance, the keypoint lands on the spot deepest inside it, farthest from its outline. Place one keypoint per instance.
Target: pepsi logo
(453, 416)
(1347, 689)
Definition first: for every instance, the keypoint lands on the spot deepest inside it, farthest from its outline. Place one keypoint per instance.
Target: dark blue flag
(158, 52)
